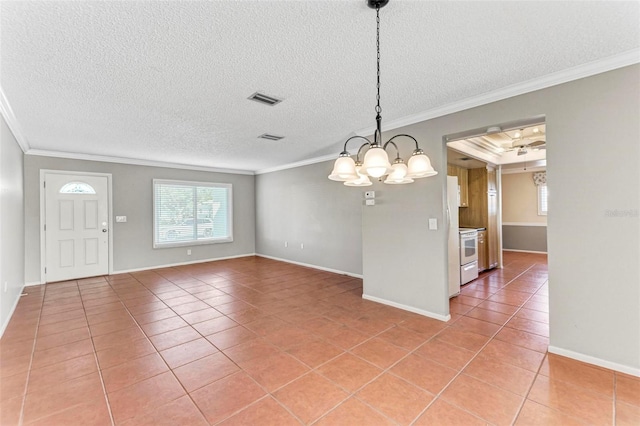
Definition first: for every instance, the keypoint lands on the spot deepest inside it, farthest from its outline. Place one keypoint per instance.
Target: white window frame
(194, 242)
(542, 204)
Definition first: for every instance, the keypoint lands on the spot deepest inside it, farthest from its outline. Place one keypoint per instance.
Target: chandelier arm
(345, 152)
(360, 150)
(409, 136)
(396, 147)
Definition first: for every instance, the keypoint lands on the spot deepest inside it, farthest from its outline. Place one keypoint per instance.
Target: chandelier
(376, 161)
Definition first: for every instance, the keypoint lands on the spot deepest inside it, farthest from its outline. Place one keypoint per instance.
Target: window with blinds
(189, 213)
(542, 200)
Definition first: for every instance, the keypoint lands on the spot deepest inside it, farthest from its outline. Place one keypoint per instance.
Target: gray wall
(593, 254)
(593, 258)
(523, 237)
(11, 223)
(133, 197)
(302, 206)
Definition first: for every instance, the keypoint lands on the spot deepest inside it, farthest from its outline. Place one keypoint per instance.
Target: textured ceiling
(169, 81)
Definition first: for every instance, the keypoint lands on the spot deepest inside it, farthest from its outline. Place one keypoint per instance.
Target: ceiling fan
(521, 142)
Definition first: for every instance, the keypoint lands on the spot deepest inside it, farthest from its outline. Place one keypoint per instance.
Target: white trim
(297, 164)
(627, 58)
(12, 122)
(522, 170)
(11, 311)
(33, 283)
(308, 265)
(444, 318)
(171, 265)
(581, 71)
(133, 161)
(525, 251)
(595, 361)
(43, 249)
(524, 224)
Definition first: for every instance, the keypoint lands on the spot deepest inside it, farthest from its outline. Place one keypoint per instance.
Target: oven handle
(469, 266)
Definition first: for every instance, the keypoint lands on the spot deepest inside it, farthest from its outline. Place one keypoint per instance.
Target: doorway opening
(501, 178)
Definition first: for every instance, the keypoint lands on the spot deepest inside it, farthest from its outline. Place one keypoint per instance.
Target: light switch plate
(433, 223)
(370, 195)
(370, 202)
(121, 219)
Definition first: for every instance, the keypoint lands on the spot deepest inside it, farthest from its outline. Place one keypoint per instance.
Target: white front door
(76, 226)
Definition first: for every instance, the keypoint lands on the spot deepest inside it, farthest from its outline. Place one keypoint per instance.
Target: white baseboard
(525, 251)
(595, 361)
(308, 265)
(32, 283)
(13, 308)
(171, 265)
(444, 318)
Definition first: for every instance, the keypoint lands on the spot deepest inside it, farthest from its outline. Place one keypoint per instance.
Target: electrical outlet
(121, 219)
(286, 244)
(188, 252)
(370, 202)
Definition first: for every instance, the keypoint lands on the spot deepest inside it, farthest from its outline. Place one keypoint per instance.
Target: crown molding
(133, 161)
(624, 59)
(12, 122)
(297, 164)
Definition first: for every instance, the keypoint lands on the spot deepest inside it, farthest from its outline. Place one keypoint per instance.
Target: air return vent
(270, 137)
(264, 99)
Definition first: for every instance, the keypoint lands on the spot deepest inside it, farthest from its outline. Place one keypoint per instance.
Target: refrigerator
(453, 201)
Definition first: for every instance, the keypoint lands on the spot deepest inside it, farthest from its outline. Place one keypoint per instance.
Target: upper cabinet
(463, 183)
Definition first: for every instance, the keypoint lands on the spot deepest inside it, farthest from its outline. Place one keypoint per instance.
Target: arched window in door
(77, 188)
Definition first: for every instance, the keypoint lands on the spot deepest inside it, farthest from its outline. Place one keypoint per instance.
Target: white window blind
(542, 200)
(188, 213)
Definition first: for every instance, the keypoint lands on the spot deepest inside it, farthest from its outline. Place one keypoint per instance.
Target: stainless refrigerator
(453, 201)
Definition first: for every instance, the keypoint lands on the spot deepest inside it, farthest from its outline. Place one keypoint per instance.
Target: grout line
(439, 394)
(33, 351)
(95, 356)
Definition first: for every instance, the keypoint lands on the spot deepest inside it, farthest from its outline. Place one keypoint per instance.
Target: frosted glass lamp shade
(420, 166)
(344, 169)
(398, 175)
(376, 162)
(362, 180)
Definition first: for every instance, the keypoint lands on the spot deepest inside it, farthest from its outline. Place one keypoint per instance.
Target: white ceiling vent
(270, 137)
(264, 99)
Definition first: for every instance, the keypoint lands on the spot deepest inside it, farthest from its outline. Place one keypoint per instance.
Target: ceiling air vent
(264, 99)
(270, 137)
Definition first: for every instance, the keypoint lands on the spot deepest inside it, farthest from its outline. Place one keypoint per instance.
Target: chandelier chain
(378, 108)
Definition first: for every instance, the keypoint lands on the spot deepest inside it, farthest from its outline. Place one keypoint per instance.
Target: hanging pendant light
(376, 160)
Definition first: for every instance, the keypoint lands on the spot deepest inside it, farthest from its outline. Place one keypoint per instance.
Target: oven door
(468, 247)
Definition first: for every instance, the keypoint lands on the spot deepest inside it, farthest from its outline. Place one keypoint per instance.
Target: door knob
(104, 230)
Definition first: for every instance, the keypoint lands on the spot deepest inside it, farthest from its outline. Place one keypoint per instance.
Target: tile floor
(253, 341)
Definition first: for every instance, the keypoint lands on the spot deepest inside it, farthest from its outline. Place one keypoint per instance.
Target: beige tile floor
(253, 341)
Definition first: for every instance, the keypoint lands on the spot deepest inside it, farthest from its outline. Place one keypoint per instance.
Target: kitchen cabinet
(463, 183)
(482, 251)
(483, 211)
